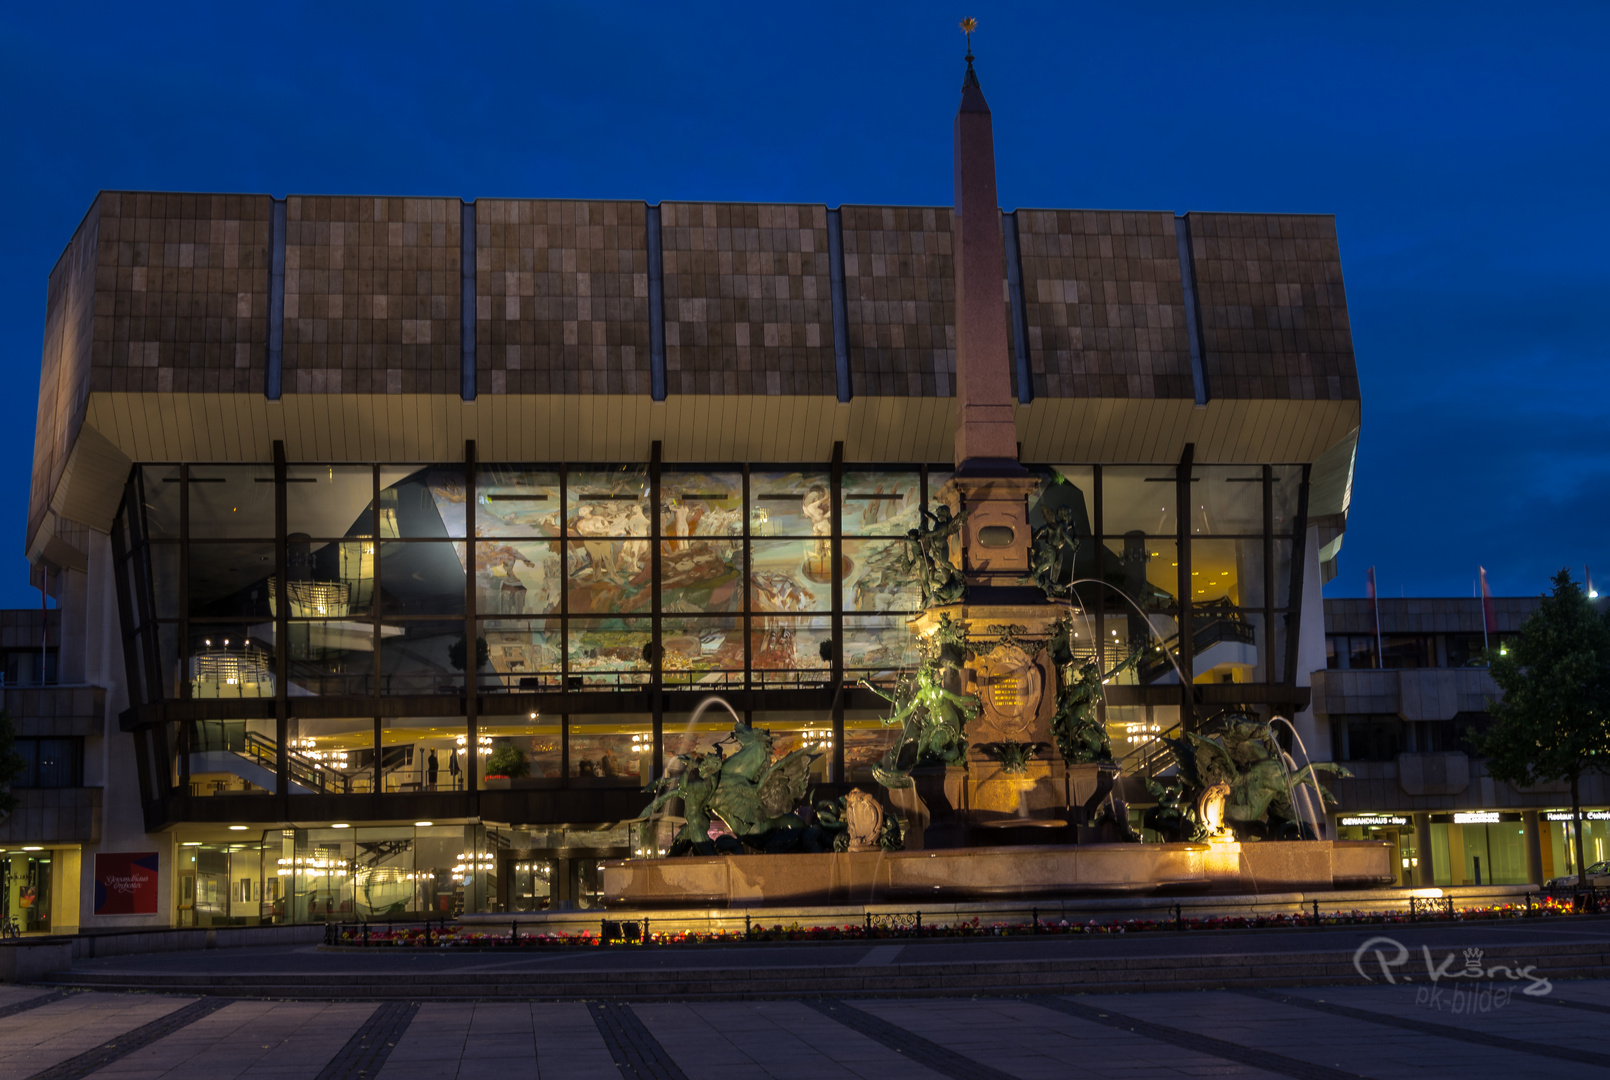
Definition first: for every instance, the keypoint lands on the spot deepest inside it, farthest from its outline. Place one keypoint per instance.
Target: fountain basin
(982, 872)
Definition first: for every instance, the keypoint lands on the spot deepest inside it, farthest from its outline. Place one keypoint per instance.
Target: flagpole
(1486, 605)
(1375, 604)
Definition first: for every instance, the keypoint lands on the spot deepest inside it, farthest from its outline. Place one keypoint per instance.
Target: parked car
(1598, 878)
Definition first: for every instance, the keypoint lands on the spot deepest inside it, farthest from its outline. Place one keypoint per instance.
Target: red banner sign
(126, 883)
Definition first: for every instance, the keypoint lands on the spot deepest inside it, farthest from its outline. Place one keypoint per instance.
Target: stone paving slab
(248, 1039)
(33, 1041)
(1384, 1034)
(1035, 1043)
(780, 1040)
(500, 1041)
(1350, 1045)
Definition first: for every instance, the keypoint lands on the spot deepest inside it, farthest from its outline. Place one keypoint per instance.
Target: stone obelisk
(1006, 618)
(986, 431)
(993, 546)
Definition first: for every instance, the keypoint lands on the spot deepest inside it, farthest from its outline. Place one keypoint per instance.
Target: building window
(1366, 737)
(51, 763)
(1403, 651)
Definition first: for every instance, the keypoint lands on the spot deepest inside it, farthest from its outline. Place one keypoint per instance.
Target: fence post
(1036, 913)
(868, 915)
(366, 934)
(1316, 912)
(645, 931)
(748, 929)
(1179, 919)
(514, 933)
(427, 933)
(1450, 909)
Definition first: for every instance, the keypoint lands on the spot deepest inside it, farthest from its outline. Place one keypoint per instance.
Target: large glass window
(1138, 499)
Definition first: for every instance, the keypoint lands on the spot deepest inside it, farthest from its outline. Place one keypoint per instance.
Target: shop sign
(126, 883)
(1475, 817)
(1566, 815)
(1379, 820)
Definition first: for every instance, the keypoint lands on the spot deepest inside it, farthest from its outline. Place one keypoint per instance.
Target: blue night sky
(1463, 149)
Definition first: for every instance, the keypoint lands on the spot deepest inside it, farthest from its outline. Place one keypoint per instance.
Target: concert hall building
(395, 539)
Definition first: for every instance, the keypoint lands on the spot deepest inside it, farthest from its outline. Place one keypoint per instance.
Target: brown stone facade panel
(1104, 304)
(66, 361)
(1274, 313)
(748, 299)
(181, 297)
(561, 297)
(900, 298)
(372, 289)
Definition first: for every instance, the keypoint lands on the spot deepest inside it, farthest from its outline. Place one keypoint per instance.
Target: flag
(1487, 619)
(1375, 616)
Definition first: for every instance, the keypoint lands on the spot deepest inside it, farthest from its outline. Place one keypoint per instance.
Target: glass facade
(351, 629)
(366, 872)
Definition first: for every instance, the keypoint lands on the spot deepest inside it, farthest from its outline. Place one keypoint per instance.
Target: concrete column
(1534, 846)
(1422, 844)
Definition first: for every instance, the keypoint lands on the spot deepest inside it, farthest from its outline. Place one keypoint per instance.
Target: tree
(1553, 722)
(11, 763)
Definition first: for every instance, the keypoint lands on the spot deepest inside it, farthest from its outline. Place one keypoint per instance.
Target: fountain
(1002, 772)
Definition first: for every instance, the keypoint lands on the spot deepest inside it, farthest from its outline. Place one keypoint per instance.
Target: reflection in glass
(791, 504)
(329, 500)
(612, 750)
(866, 739)
(878, 645)
(516, 500)
(880, 502)
(164, 568)
(608, 502)
(422, 502)
(161, 488)
(422, 578)
(1138, 498)
(880, 575)
(230, 501)
(701, 504)
(230, 580)
(517, 577)
(333, 656)
(609, 652)
(790, 575)
(1227, 499)
(789, 649)
(383, 871)
(522, 655)
(423, 657)
(702, 651)
(1287, 483)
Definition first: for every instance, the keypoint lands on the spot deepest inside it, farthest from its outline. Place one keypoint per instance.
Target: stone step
(1126, 974)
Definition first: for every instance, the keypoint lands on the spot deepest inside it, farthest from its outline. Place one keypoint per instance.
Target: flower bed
(639, 933)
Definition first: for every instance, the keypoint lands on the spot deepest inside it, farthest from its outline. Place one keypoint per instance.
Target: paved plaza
(1352, 1028)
